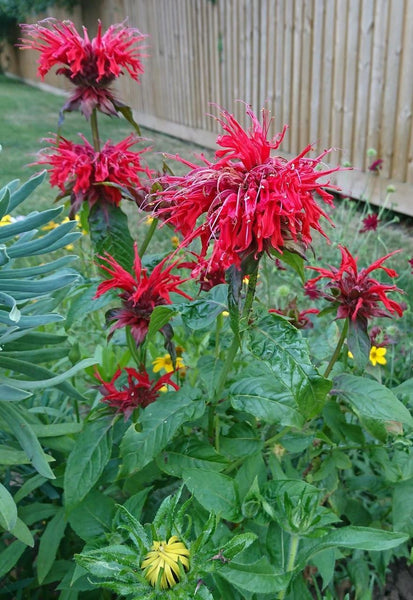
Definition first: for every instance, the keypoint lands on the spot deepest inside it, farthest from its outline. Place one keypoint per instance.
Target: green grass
(29, 114)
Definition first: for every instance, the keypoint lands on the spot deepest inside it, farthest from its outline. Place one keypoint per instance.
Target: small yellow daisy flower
(350, 354)
(175, 241)
(377, 356)
(149, 220)
(165, 558)
(165, 362)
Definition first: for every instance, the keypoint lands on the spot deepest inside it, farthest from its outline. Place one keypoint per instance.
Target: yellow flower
(350, 354)
(377, 356)
(163, 561)
(225, 313)
(6, 220)
(149, 220)
(165, 362)
(175, 241)
(50, 225)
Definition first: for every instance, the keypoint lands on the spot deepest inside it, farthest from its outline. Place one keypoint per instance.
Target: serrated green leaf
(257, 577)
(190, 455)
(370, 399)
(26, 438)
(8, 509)
(285, 353)
(357, 538)
(159, 422)
(201, 313)
(93, 516)
(109, 233)
(87, 461)
(267, 398)
(49, 544)
(216, 492)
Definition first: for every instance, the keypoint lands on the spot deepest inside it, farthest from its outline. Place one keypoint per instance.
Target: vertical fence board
(339, 72)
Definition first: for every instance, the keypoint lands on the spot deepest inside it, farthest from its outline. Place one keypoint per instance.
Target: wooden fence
(339, 72)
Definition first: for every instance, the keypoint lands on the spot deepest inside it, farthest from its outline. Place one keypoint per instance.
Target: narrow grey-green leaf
(49, 544)
(87, 461)
(26, 438)
(8, 509)
(20, 194)
(10, 393)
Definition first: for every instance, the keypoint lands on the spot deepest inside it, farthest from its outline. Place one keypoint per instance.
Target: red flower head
(139, 390)
(140, 293)
(299, 319)
(78, 170)
(356, 294)
(250, 201)
(92, 65)
(410, 261)
(370, 223)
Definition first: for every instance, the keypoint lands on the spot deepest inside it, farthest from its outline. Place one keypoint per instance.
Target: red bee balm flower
(356, 294)
(92, 65)
(251, 201)
(139, 391)
(78, 170)
(370, 223)
(140, 293)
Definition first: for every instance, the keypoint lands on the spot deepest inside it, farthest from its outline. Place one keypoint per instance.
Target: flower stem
(232, 352)
(95, 130)
(337, 351)
(252, 284)
(148, 237)
(292, 555)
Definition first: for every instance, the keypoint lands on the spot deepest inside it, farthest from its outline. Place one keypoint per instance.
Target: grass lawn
(29, 114)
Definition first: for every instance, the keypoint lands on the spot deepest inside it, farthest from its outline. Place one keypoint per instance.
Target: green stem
(337, 351)
(252, 284)
(95, 130)
(292, 555)
(148, 237)
(232, 352)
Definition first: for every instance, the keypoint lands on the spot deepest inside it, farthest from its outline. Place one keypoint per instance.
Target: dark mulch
(399, 583)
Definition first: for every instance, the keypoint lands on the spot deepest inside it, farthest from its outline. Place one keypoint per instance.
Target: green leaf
(93, 516)
(126, 111)
(29, 223)
(29, 486)
(159, 422)
(357, 538)
(10, 456)
(293, 260)
(9, 393)
(10, 556)
(55, 239)
(52, 378)
(216, 492)
(20, 194)
(23, 533)
(358, 343)
(8, 509)
(192, 454)
(4, 201)
(285, 353)
(56, 429)
(87, 461)
(201, 313)
(402, 509)
(49, 544)
(161, 315)
(259, 577)
(109, 233)
(371, 399)
(267, 398)
(27, 439)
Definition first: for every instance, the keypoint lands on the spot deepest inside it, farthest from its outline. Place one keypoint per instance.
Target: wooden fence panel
(339, 72)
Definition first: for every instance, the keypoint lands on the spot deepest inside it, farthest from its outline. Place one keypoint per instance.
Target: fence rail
(339, 72)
